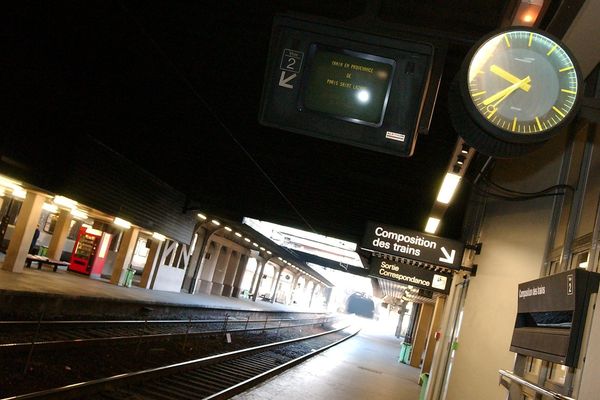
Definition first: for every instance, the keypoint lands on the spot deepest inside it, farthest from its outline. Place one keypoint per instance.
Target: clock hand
(505, 92)
(507, 76)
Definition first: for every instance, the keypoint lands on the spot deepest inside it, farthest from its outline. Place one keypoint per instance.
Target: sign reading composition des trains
(413, 245)
(409, 275)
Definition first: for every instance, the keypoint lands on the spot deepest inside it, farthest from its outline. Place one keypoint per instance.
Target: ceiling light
(9, 183)
(460, 160)
(528, 12)
(432, 225)
(448, 188)
(262, 248)
(465, 149)
(201, 216)
(78, 214)
(19, 192)
(50, 207)
(122, 223)
(228, 229)
(269, 252)
(255, 244)
(215, 222)
(247, 240)
(64, 201)
(238, 234)
(159, 237)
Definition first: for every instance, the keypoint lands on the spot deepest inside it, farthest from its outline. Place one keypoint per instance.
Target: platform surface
(70, 284)
(363, 367)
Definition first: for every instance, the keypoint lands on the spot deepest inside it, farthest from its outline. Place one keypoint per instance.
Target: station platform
(24, 294)
(363, 367)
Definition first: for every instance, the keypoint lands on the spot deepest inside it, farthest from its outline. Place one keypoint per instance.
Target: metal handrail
(510, 375)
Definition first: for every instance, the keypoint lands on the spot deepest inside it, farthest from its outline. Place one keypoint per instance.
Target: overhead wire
(217, 118)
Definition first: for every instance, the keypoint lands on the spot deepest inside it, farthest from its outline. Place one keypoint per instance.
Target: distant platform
(28, 294)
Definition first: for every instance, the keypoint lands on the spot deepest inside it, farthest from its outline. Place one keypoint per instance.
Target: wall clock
(516, 89)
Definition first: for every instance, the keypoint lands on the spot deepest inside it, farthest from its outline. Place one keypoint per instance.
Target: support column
(420, 335)
(59, 236)
(208, 269)
(239, 275)
(256, 285)
(220, 270)
(193, 270)
(435, 327)
(312, 293)
(29, 217)
(294, 286)
(232, 268)
(274, 288)
(124, 255)
(151, 262)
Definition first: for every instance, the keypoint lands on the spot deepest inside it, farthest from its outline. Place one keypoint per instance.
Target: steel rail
(78, 390)
(22, 346)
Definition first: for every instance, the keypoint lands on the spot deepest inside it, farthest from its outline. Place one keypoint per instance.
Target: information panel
(349, 85)
(411, 275)
(413, 245)
(329, 81)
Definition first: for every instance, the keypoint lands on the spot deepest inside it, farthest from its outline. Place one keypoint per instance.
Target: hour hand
(504, 93)
(508, 76)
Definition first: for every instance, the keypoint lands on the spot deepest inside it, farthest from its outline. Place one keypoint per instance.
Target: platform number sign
(291, 63)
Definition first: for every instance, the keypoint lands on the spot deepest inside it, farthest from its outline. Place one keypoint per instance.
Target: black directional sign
(410, 275)
(413, 245)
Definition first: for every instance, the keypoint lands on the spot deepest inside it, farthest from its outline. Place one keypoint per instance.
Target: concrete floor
(364, 367)
(70, 284)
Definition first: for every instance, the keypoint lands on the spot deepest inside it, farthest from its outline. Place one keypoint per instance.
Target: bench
(40, 260)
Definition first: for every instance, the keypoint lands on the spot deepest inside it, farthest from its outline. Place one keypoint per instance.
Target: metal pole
(33, 340)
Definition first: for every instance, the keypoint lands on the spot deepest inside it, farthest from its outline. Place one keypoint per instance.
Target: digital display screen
(349, 85)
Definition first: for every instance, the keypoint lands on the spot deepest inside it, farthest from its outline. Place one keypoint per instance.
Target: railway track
(23, 335)
(214, 377)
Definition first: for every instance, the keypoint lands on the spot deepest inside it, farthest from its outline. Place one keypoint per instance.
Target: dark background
(174, 86)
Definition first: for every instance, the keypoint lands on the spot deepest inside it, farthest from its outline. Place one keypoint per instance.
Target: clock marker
(566, 69)
(478, 93)
(552, 50)
(568, 91)
(514, 127)
(538, 123)
(506, 40)
(530, 38)
(558, 111)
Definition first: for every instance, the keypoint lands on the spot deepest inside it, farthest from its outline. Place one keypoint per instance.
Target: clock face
(522, 83)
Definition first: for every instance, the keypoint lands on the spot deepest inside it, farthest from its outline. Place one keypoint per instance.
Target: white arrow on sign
(283, 80)
(448, 257)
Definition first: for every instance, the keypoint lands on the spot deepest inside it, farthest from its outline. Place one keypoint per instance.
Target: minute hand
(507, 91)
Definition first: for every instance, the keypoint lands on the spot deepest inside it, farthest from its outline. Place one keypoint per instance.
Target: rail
(510, 375)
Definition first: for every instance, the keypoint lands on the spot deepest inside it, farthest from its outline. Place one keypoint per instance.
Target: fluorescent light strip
(201, 216)
(448, 188)
(64, 201)
(159, 237)
(50, 207)
(432, 225)
(122, 223)
(19, 192)
(78, 214)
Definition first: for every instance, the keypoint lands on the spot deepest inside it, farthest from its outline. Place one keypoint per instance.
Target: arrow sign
(414, 245)
(283, 80)
(448, 257)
